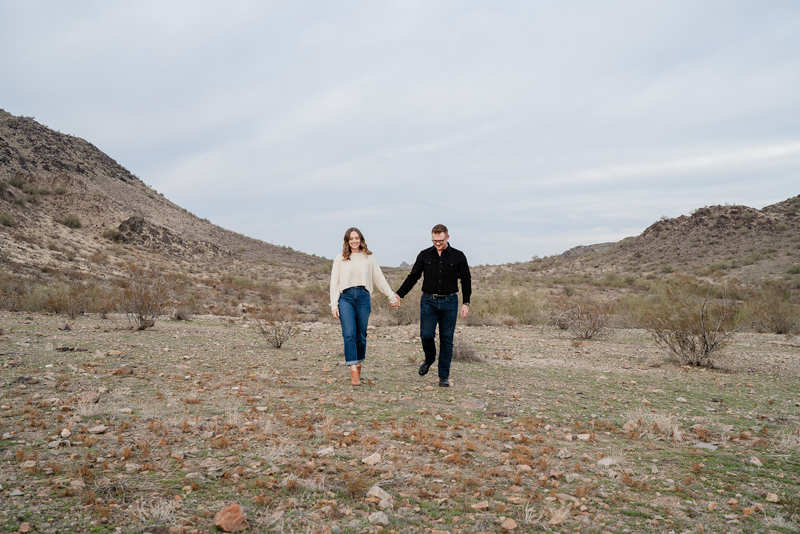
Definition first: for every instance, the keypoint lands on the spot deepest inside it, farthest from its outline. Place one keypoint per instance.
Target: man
(442, 267)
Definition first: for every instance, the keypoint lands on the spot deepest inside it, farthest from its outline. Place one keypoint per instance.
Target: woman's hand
(335, 313)
(396, 303)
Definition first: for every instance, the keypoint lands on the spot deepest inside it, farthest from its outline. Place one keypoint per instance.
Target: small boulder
(372, 459)
(64, 327)
(508, 524)
(379, 518)
(379, 493)
(231, 519)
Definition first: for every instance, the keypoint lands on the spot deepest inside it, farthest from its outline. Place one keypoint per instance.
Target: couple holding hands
(356, 272)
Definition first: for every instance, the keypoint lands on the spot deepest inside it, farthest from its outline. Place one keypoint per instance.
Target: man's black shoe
(423, 369)
(444, 383)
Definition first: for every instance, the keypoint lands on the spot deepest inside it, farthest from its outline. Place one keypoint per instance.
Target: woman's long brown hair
(362, 247)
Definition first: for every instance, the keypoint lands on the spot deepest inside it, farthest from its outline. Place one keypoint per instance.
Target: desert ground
(109, 430)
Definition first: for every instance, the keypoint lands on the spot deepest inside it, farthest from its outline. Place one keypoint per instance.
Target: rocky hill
(738, 241)
(63, 198)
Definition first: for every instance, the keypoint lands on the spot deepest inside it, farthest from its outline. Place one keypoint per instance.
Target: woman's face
(355, 241)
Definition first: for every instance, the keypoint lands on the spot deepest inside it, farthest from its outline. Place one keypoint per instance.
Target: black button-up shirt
(441, 273)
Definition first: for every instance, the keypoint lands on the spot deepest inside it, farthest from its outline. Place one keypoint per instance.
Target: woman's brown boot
(355, 375)
(359, 370)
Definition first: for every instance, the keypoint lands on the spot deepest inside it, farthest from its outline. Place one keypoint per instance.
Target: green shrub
(3, 185)
(60, 190)
(71, 221)
(794, 269)
(6, 219)
(773, 308)
(694, 320)
(111, 233)
(18, 181)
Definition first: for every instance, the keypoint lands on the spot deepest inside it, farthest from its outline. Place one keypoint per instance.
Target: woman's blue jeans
(354, 309)
(444, 313)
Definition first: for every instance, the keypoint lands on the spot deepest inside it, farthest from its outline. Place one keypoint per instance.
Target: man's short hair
(439, 229)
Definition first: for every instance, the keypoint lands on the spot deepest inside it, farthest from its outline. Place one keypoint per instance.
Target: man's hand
(335, 313)
(396, 303)
(464, 311)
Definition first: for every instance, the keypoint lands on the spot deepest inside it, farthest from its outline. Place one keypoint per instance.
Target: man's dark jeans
(444, 312)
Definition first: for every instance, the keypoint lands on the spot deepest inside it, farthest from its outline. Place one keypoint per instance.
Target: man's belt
(434, 296)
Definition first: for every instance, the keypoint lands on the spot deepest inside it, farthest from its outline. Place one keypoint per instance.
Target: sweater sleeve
(335, 282)
(379, 281)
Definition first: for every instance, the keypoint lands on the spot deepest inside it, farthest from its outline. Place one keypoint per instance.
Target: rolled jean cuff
(355, 363)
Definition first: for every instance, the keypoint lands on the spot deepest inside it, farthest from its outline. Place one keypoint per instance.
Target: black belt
(433, 296)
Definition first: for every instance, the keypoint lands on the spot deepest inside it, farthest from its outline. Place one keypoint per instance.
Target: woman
(355, 272)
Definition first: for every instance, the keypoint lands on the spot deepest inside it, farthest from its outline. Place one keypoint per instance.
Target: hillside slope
(51, 176)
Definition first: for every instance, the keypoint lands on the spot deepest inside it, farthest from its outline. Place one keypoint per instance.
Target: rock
(379, 518)
(326, 451)
(178, 455)
(262, 408)
(708, 446)
(755, 461)
(564, 453)
(99, 429)
(630, 426)
(772, 497)
(607, 461)
(15, 493)
(473, 404)
(77, 483)
(326, 368)
(56, 444)
(124, 370)
(114, 353)
(89, 397)
(379, 493)
(483, 505)
(25, 527)
(132, 467)
(66, 433)
(231, 519)
(194, 476)
(29, 464)
(712, 506)
(64, 327)
(681, 399)
(509, 524)
(126, 410)
(524, 468)
(584, 437)
(372, 459)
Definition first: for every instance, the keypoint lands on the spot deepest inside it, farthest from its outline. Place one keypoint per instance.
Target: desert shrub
(68, 299)
(70, 221)
(694, 320)
(186, 307)
(18, 181)
(100, 299)
(505, 307)
(774, 311)
(6, 219)
(584, 315)
(794, 269)
(143, 295)
(3, 185)
(277, 325)
(60, 190)
(464, 352)
(111, 233)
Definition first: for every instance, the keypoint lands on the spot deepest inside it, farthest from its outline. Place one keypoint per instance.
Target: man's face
(440, 241)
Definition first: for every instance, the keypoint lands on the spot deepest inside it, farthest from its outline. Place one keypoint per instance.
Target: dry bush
(519, 306)
(277, 325)
(143, 295)
(695, 319)
(656, 424)
(159, 511)
(584, 315)
(68, 299)
(464, 352)
(774, 310)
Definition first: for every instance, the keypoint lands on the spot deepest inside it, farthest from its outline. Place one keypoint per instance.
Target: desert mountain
(750, 244)
(53, 181)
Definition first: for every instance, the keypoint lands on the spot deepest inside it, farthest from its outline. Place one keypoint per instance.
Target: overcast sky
(527, 127)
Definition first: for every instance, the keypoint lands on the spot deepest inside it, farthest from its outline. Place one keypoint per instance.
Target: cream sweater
(359, 270)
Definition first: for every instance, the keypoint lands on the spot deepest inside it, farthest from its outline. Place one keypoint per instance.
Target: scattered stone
(473, 404)
(89, 397)
(524, 468)
(379, 518)
(114, 353)
(15, 493)
(681, 399)
(712, 506)
(66, 433)
(564, 453)
(607, 461)
(28, 464)
(99, 429)
(64, 327)
(231, 519)
(124, 371)
(772, 497)
(379, 493)
(178, 455)
(326, 451)
(483, 505)
(25, 527)
(630, 426)
(125, 410)
(509, 524)
(326, 368)
(262, 408)
(372, 459)
(584, 437)
(755, 461)
(194, 475)
(132, 467)
(708, 446)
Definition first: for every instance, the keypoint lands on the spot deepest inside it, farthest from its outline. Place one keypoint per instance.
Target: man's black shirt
(441, 273)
